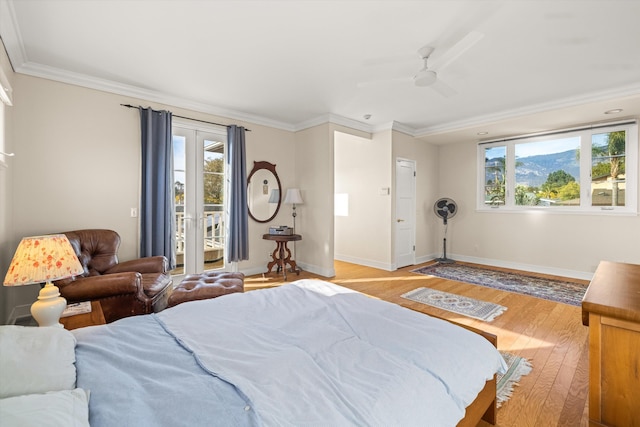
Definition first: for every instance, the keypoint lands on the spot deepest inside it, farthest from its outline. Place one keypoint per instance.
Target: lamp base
(49, 307)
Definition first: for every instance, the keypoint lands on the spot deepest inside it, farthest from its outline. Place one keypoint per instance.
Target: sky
(551, 146)
(547, 147)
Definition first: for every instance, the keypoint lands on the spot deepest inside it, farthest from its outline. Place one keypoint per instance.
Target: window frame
(585, 133)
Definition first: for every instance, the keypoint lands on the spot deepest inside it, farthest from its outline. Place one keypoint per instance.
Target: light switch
(134, 212)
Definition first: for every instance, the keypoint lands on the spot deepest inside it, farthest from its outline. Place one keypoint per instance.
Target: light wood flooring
(550, 335)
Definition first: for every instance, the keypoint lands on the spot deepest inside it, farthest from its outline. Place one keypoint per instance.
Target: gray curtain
(157, 215)
(238, 237)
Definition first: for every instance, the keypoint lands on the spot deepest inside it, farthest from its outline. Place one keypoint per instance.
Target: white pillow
(66, 408)
(36, 360)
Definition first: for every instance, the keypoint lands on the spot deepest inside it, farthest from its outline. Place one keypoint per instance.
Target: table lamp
(294, 198)
(44, 259)
(275, 196)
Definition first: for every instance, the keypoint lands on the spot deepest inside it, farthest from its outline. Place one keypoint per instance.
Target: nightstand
(95, 317)
(282, 255)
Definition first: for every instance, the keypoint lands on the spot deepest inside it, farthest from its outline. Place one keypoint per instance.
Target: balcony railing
(213, 228)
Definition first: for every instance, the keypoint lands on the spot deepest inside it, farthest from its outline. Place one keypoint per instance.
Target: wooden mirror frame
(262, 165)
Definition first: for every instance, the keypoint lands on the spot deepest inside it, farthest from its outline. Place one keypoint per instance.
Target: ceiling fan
(428, 76)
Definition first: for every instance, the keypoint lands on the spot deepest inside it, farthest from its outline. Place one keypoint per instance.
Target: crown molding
(333, 119)
(78, 79)
(575, 101)
(316, 121)
(10, 34)
(354, 124)
(400, 127)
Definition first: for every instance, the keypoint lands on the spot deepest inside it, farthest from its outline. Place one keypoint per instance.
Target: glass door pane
(213, 212)
(548, 172)
(179, 168)
(608, 169)
(495, 175)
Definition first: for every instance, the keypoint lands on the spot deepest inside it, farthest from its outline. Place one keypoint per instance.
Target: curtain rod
(187, 118)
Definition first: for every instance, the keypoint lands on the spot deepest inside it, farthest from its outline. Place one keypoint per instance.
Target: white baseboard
(426, 258)
(366, 262)
(583, 275)
(324, 272)
(253, 270)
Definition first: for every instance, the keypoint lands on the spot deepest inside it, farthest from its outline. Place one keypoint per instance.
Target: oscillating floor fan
(446, 209)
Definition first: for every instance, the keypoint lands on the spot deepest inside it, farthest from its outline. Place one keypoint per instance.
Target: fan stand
(444, 259)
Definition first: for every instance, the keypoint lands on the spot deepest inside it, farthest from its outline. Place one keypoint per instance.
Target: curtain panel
(157, 213)
(238, 212)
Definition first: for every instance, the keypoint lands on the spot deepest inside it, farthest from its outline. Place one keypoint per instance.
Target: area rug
(553, 290)
(505, 383)
(459, 304)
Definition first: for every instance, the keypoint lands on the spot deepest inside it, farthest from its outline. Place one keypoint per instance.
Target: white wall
(277, 147)
(77, 161)
(314, 177)
(362, 168)
(556, 243)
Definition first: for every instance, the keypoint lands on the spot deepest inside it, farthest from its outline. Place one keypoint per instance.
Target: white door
(199, 186)
(405, 229)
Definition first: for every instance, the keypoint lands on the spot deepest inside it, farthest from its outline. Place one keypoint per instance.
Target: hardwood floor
(550, 335)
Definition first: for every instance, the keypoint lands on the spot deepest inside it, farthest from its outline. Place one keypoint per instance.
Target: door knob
(400, 220)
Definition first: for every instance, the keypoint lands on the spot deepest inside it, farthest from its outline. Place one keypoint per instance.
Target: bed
(309, 353)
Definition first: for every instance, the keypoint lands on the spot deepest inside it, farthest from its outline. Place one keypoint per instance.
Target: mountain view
(534, 170)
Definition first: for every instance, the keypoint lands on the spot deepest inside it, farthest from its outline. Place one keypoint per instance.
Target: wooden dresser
(611, 309)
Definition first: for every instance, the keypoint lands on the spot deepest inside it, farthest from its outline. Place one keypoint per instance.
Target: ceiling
(539, 65)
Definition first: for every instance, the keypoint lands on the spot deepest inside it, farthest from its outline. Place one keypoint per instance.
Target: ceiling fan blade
(391, 59)
(456, 50)
(443, 89)
(382, 82)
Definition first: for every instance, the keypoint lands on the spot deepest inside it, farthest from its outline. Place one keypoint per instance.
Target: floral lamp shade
(41, 259)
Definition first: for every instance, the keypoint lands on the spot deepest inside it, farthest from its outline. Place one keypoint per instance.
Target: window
(581, 170)
(494, 175)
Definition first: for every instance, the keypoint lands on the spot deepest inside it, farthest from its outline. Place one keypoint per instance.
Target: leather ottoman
(206, 285)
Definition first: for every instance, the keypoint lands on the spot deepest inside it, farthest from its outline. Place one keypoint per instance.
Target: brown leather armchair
(128, 288)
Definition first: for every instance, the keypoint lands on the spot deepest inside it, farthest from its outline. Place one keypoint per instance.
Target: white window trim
(585, 132)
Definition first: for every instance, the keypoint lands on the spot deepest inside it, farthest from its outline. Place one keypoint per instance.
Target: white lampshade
(41, 259)
(293, 197)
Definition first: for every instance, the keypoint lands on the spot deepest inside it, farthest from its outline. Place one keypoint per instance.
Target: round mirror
(263, 192)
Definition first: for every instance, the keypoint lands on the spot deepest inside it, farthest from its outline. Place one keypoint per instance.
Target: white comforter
(315, 354)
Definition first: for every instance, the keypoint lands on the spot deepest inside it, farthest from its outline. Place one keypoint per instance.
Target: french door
(199, 177)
